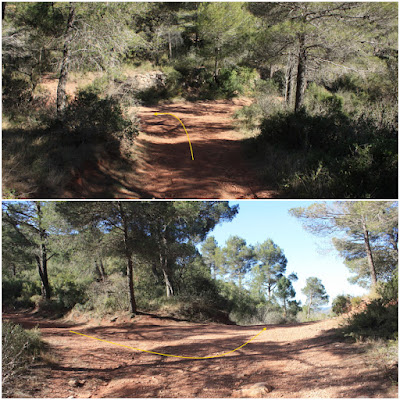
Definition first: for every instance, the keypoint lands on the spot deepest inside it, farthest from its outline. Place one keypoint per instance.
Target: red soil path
(163, 166)
(302, 360)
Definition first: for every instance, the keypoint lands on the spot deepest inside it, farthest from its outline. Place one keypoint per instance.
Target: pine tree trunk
(289, 81)
(301, 83)
(164, 264)
(130, 284)
(102, 270)
(168, 286)
(309, 306)
(170, 45)
(41, 259)
(284, 308)
(368, 250)
(64, 69)
(216, 64)
(269, 289)
(128, 256)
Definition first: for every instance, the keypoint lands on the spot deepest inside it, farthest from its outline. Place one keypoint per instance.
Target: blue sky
(307, 254)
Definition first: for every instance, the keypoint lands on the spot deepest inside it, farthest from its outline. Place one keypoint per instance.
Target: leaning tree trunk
(64, 69)
(368, 250)
(169, 290)
(301, 83)
(42, 259)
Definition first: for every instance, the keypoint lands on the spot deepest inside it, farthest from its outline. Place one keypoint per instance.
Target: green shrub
(376, 321)
(341, 304)
(340, 156)
(19, 349)
(18, 292)
(107, 297)
(262, 314)
(356, 301)
(11, 289)
(91, 118)
(69, 292)
(321, 102)
(389, 291)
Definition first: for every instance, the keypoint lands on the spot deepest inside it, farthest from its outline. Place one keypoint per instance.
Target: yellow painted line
(172, 355)
(190, 145)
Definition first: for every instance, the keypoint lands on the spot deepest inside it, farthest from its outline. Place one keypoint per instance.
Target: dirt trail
(303, 360)
(164, 167)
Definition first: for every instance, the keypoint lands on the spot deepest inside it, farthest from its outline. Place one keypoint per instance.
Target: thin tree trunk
(3, 8)
(269, 289)
(284, 308)
(309, 306)
(42, 258)
(100, 270)
(130, 283)
(368, 250)
(301, 83)
(128, 256)
(164, 264)
(216, 64)
(169, 290)
(170, 45)
(168, 285)
(62, 81)
(289, 81)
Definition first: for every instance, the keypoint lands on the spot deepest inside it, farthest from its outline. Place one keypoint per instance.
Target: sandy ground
(162, 165)
(302, 360)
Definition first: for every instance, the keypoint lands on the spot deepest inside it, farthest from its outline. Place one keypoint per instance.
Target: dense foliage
(112, 257)
(322, 76)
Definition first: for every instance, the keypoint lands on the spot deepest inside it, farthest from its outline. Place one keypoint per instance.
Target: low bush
(20, 348)
(38, 160)
(333, 155)
(380, 317)
(106, 297)
(341, 304)
(376, 321)
(90, 117)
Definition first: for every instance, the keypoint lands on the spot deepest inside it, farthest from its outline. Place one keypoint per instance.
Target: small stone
(259, 389)
(76, 382)
(113, 319)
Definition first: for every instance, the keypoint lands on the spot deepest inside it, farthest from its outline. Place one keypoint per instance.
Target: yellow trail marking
(190, 145)
(172, 355)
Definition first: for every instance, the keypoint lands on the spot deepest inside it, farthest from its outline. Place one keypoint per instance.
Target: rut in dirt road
(301, 360)
(163, 166)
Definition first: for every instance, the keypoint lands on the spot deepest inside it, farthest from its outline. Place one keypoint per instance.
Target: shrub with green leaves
(90, 116)
(333, 155)
(108, 296)
(341, 304)
(380, 318)
(376, 321)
